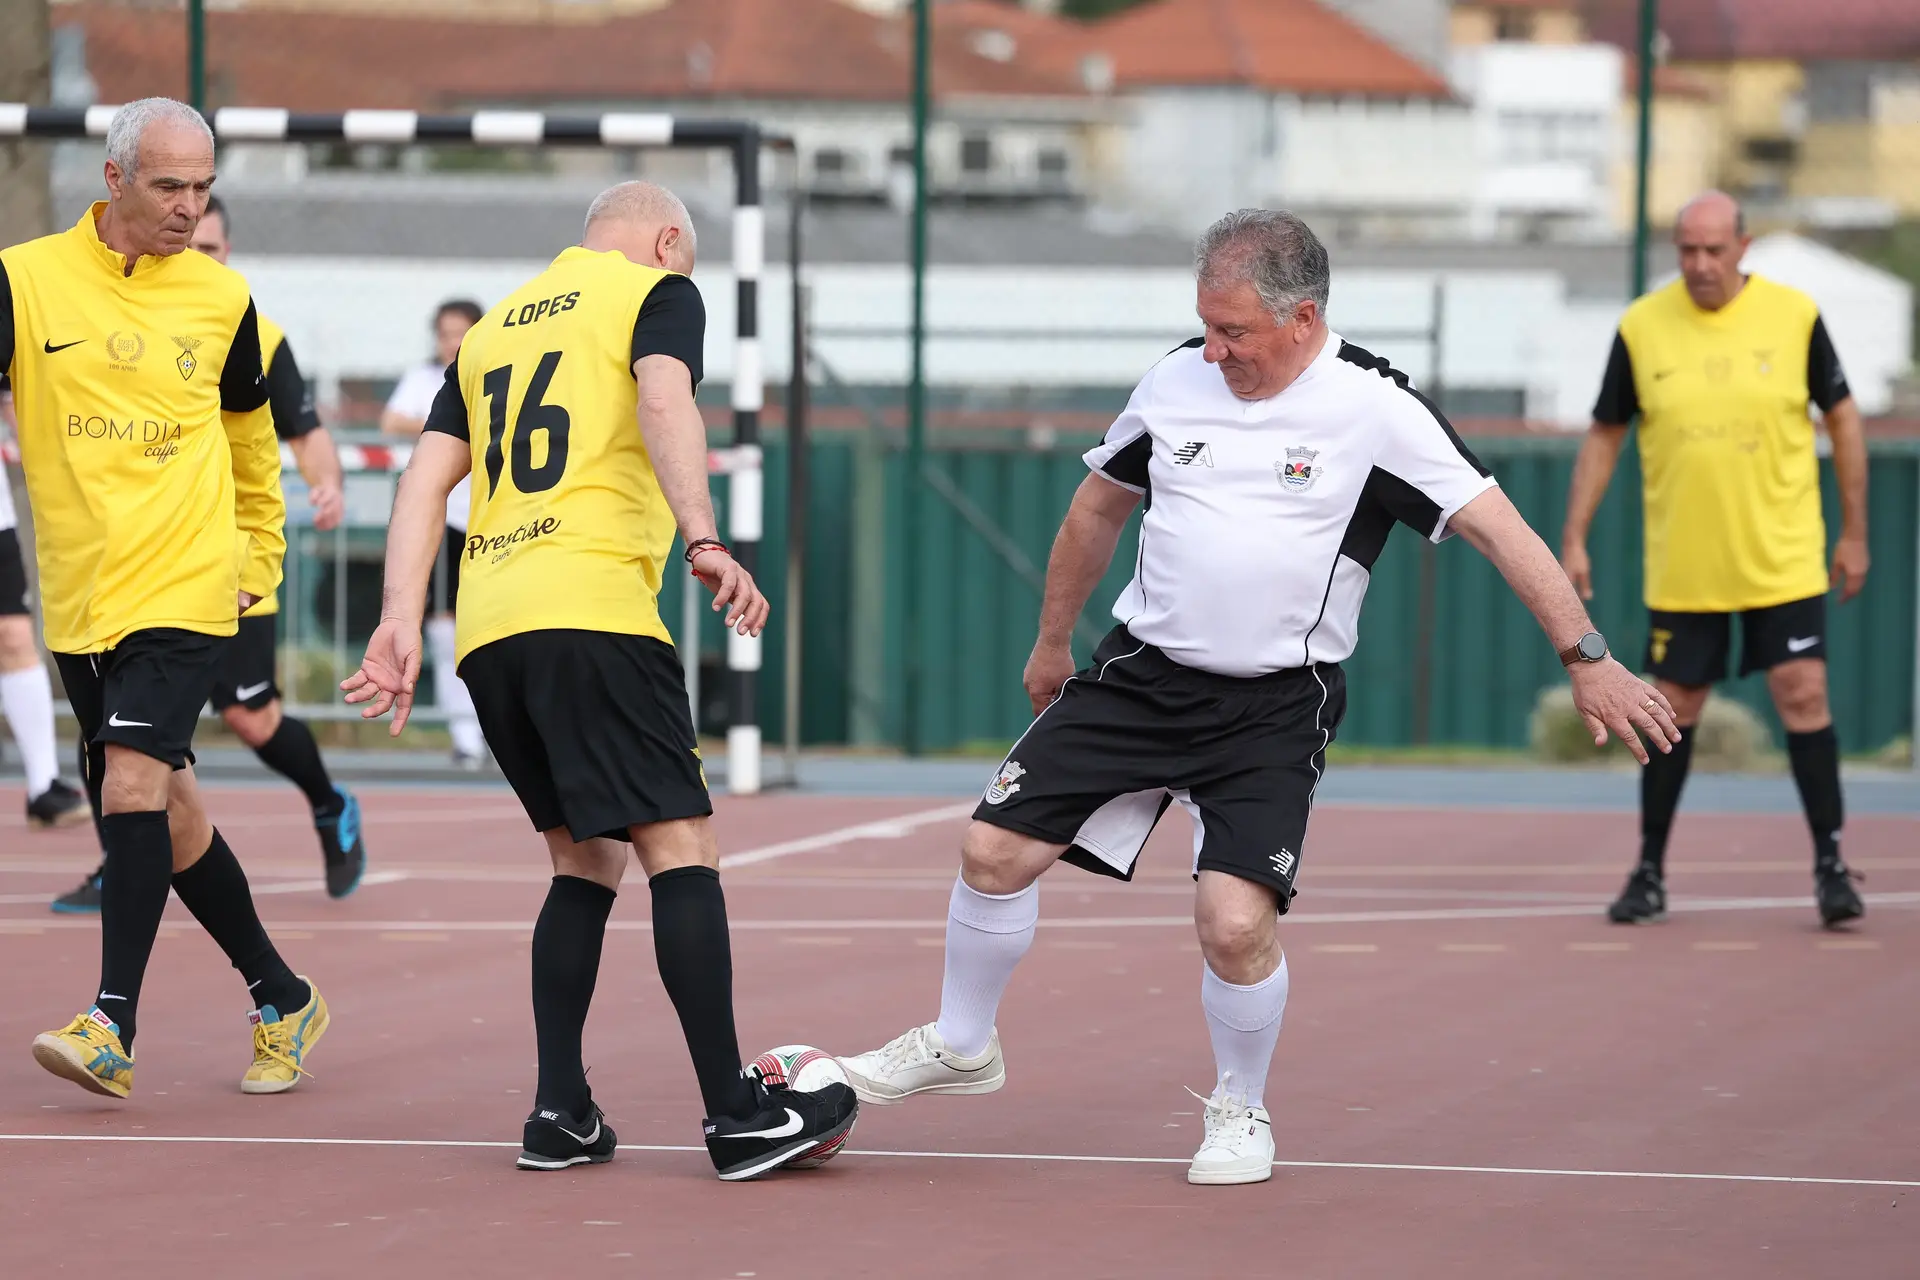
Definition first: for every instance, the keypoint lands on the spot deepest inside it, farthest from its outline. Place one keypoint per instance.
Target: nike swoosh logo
(49, 348)
(587, 1141)
(246, 691)
(108, 995)
(1662, 373)
(1801, 644)
(793, 1125)
(118, 723)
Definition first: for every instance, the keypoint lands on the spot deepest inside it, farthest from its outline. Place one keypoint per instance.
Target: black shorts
(13, 573)
(443, 588)
(1690, 649)
(591, 728)
(246, 669)
(1136, 731)
(145, 693)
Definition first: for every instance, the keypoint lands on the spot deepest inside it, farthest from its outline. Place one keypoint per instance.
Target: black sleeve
(449, 413)
(672, 322)
(6, 322)
(1826, 381)
(243, 383)
(1618, 402)
(291, 398)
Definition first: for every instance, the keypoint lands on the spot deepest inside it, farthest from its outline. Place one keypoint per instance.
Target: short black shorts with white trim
(145, 693)
(13, 573)
(1691, 649)
(591, 729)
(1135, 732)
(246, 669)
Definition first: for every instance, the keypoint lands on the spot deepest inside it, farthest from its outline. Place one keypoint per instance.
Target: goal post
(615, 130)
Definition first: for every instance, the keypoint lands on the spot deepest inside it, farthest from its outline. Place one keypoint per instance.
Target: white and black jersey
(1264, 517)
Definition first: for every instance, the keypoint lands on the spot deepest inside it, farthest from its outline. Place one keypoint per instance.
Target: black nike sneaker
(789, 1126)
(58, 806)
(555, 1140)
(1833, 888)
(84, 898)
(1643, 901)
(342, 845)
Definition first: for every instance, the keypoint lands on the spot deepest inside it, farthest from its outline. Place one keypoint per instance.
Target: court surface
(1478, 1076)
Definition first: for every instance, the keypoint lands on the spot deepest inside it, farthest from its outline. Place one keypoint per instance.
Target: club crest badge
(1300, 470)
(1006, 782)
(186, 363)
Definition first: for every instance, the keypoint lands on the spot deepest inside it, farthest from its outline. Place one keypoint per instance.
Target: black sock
(691, 946)
(293, 754)
(215, 890)
(1661, 782)
(133, 896)
(1816, 771)
(566, 961)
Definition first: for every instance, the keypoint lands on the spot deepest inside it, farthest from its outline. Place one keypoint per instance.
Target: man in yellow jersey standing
(154, 476)
(571, 406)
(245, 694)
(1720, 368)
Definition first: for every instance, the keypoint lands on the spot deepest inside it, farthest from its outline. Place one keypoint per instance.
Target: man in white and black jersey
(1273, 459)
(26, 691)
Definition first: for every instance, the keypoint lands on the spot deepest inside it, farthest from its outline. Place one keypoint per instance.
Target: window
(1771, 150)
(1539, 137)
(1053, 163)
(976, 153)
(1513, 24)
(899, 157)
(830, 162)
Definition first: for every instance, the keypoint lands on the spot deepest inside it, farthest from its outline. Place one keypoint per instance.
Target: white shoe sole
(56, 1056)
(864, 1090)
(1228, 1177)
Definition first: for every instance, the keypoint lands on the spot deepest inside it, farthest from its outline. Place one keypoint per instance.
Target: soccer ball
(804, 1069)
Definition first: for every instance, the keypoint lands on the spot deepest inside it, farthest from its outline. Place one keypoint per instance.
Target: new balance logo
(1800, 644)
(1283, 861)
(1194, 453)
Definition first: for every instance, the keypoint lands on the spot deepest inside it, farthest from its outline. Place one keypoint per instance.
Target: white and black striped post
(534, 128)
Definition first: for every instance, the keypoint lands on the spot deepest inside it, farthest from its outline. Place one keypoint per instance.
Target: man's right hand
(1573, 558)
(388, 673)
(733, 590)
(1047, 670)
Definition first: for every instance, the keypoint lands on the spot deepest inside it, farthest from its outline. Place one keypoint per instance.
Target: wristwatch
(1591, 647)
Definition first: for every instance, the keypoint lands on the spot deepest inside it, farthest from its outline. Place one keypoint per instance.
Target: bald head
(644, 222)
(1710, 235)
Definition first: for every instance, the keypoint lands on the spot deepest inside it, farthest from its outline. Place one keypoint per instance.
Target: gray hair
(1270, 249)
(639, 201)
(130, 124)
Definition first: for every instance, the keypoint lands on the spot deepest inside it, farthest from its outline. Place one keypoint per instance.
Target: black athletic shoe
(342, 845)
(555, 1140)
(789, 1126)
(58, 806)
(1643, 901)
(1839, 900)
(84, 898)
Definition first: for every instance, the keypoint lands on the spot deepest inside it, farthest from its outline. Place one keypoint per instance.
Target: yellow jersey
(1730, 481)
(141, 411)
(567, 528)
(291, 402)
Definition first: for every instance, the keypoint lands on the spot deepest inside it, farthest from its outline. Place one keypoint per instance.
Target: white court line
(883, 829)
(319, 886)
(1034, 1157)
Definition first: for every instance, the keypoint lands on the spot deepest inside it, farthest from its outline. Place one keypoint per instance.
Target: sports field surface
(1478, 1075)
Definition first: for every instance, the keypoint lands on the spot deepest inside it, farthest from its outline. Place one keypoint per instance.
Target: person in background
(406, 415)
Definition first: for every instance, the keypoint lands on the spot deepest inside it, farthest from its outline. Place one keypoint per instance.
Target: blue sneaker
(340, 841)
(83, 899)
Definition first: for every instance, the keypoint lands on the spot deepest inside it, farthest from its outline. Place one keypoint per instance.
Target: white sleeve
(413, 395)
(1438, 473)
(1123, 454)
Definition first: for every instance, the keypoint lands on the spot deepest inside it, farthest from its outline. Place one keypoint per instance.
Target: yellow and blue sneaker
(88, 1052)
(281, 1045)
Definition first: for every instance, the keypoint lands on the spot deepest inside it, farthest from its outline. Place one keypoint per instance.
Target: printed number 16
(534, 416)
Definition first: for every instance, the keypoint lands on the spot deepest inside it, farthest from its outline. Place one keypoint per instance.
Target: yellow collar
(88, 232)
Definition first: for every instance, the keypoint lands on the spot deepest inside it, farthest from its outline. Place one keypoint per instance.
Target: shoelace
(274, 1041)
(1225, 1113)
(909, 1050)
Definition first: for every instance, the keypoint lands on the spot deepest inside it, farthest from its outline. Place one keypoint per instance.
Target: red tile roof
(1288, 46)
(1800, 30)
(687, 49)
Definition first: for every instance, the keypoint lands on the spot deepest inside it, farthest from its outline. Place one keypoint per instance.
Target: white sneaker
(920, 1062)
(1239, 1143)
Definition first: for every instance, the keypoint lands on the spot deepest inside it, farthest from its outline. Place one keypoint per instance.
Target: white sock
(986, 936)
(1244, 1024)
(27, 695)
(450, 691)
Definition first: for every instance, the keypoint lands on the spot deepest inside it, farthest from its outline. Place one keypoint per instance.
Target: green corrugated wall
(1483, 669)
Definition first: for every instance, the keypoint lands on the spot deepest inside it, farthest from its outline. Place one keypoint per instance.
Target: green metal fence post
(912, 705)
(1649, 17)
(197, 54)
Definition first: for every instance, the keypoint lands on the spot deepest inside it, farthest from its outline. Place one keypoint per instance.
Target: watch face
(1593, 646)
